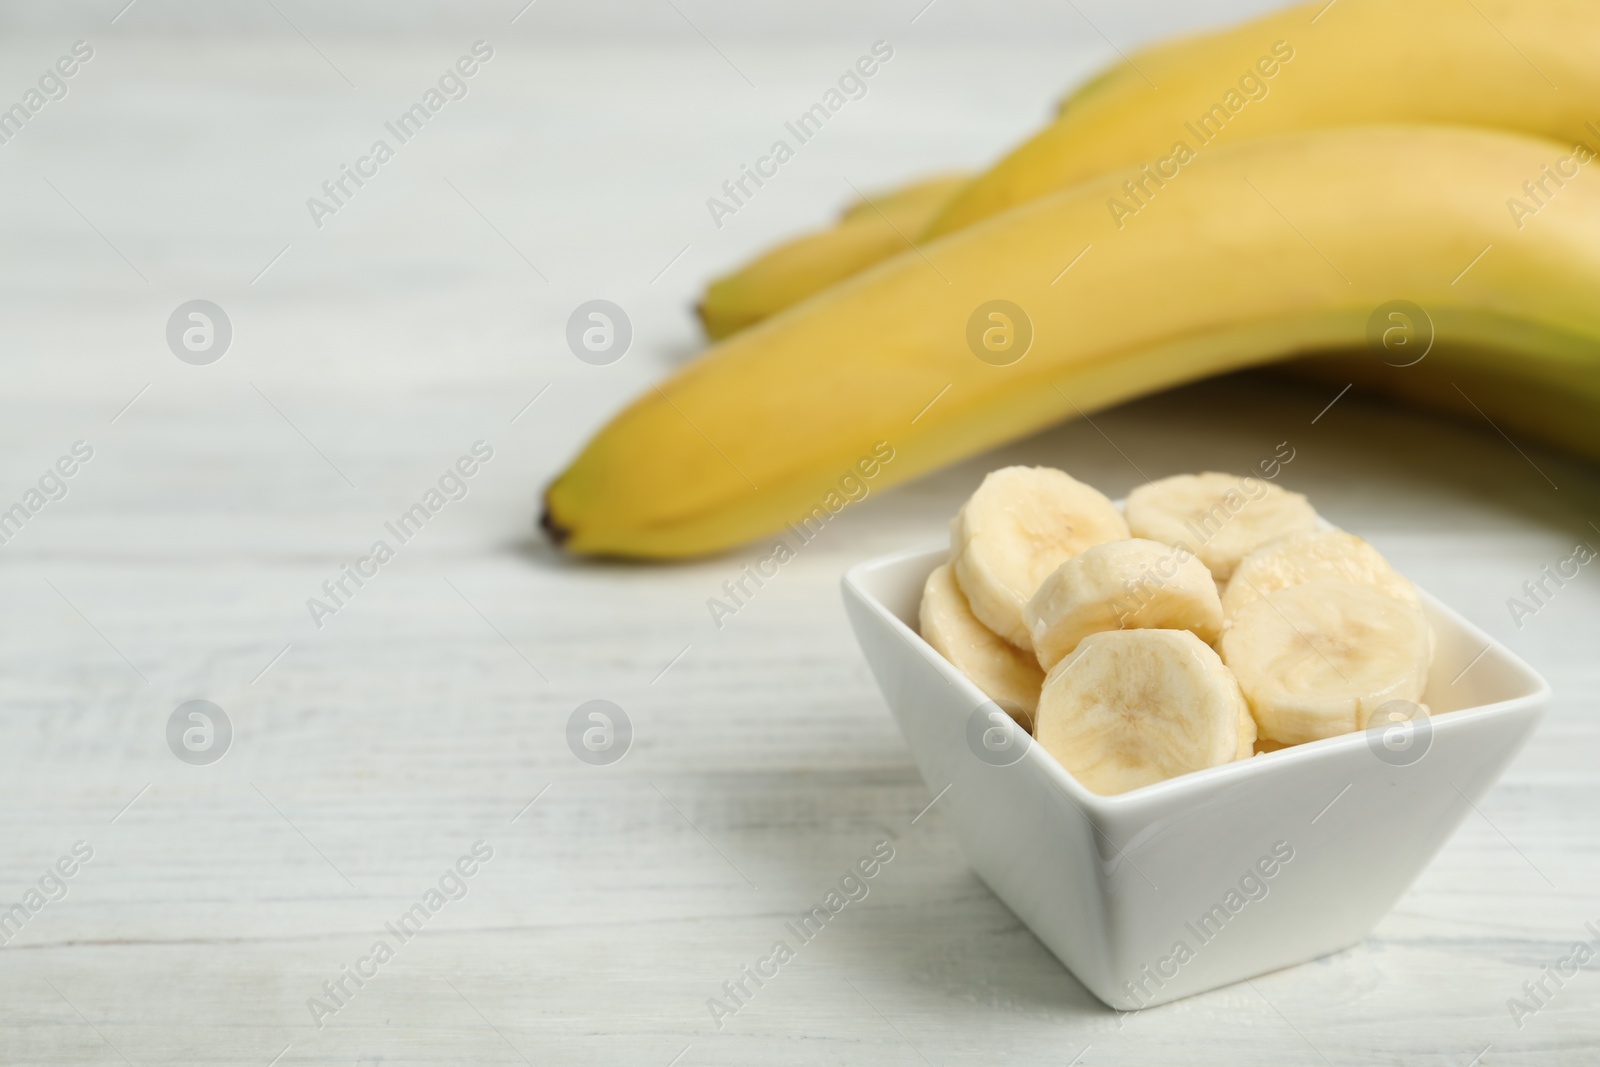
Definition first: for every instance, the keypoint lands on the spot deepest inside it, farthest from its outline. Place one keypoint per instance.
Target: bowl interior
(1471, 670)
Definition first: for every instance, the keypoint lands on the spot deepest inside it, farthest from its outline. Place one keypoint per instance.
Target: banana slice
(1122, 585)
(1320, 555)
(1132, 707)
(1248, 733)
(1006, 674)
(1221, 518)
(1315, 660)
(1021, 524)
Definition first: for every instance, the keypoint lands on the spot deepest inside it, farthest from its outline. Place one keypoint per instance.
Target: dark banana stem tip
(557, 533)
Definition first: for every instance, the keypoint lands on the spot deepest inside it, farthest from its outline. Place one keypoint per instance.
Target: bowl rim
(1162, 794)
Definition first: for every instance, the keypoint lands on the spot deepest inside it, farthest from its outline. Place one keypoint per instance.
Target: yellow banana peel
(1256, 252)
(869, 231)
(1523, 65)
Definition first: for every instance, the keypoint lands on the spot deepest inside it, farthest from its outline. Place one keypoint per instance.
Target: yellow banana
(1511, 64)
(1256, 252)
(1121, 79)
(870, 230)
(905, 202)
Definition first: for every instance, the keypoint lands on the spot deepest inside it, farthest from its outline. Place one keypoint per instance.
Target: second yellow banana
(869, 231)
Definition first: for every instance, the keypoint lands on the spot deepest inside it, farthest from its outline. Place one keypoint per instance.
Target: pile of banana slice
(1211, 619)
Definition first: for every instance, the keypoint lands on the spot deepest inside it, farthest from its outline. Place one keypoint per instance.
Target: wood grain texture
(426, 715)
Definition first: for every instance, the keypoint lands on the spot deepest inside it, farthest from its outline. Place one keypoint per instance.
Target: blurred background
(371, 348)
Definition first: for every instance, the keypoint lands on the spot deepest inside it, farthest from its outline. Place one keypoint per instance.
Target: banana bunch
(1211, 619)
(1289, 180)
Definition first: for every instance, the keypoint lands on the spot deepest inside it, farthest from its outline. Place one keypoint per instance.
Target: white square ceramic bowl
(1114, 885)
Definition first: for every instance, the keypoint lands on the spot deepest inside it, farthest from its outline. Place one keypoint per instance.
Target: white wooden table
(369, 754)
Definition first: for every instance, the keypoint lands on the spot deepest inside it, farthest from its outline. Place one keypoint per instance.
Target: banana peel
(1262, 251)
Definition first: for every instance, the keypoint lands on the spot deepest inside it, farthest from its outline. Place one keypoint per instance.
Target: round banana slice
(1221, 518)
(1320, 555)
(1021, 524)
(1122, 585)
(1006, 674)
(1132, 707)
(1316, 660)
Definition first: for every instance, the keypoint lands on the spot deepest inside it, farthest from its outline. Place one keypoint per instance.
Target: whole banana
(1255, 252)
(869, 231)
(874, 228)
(1510, 64)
